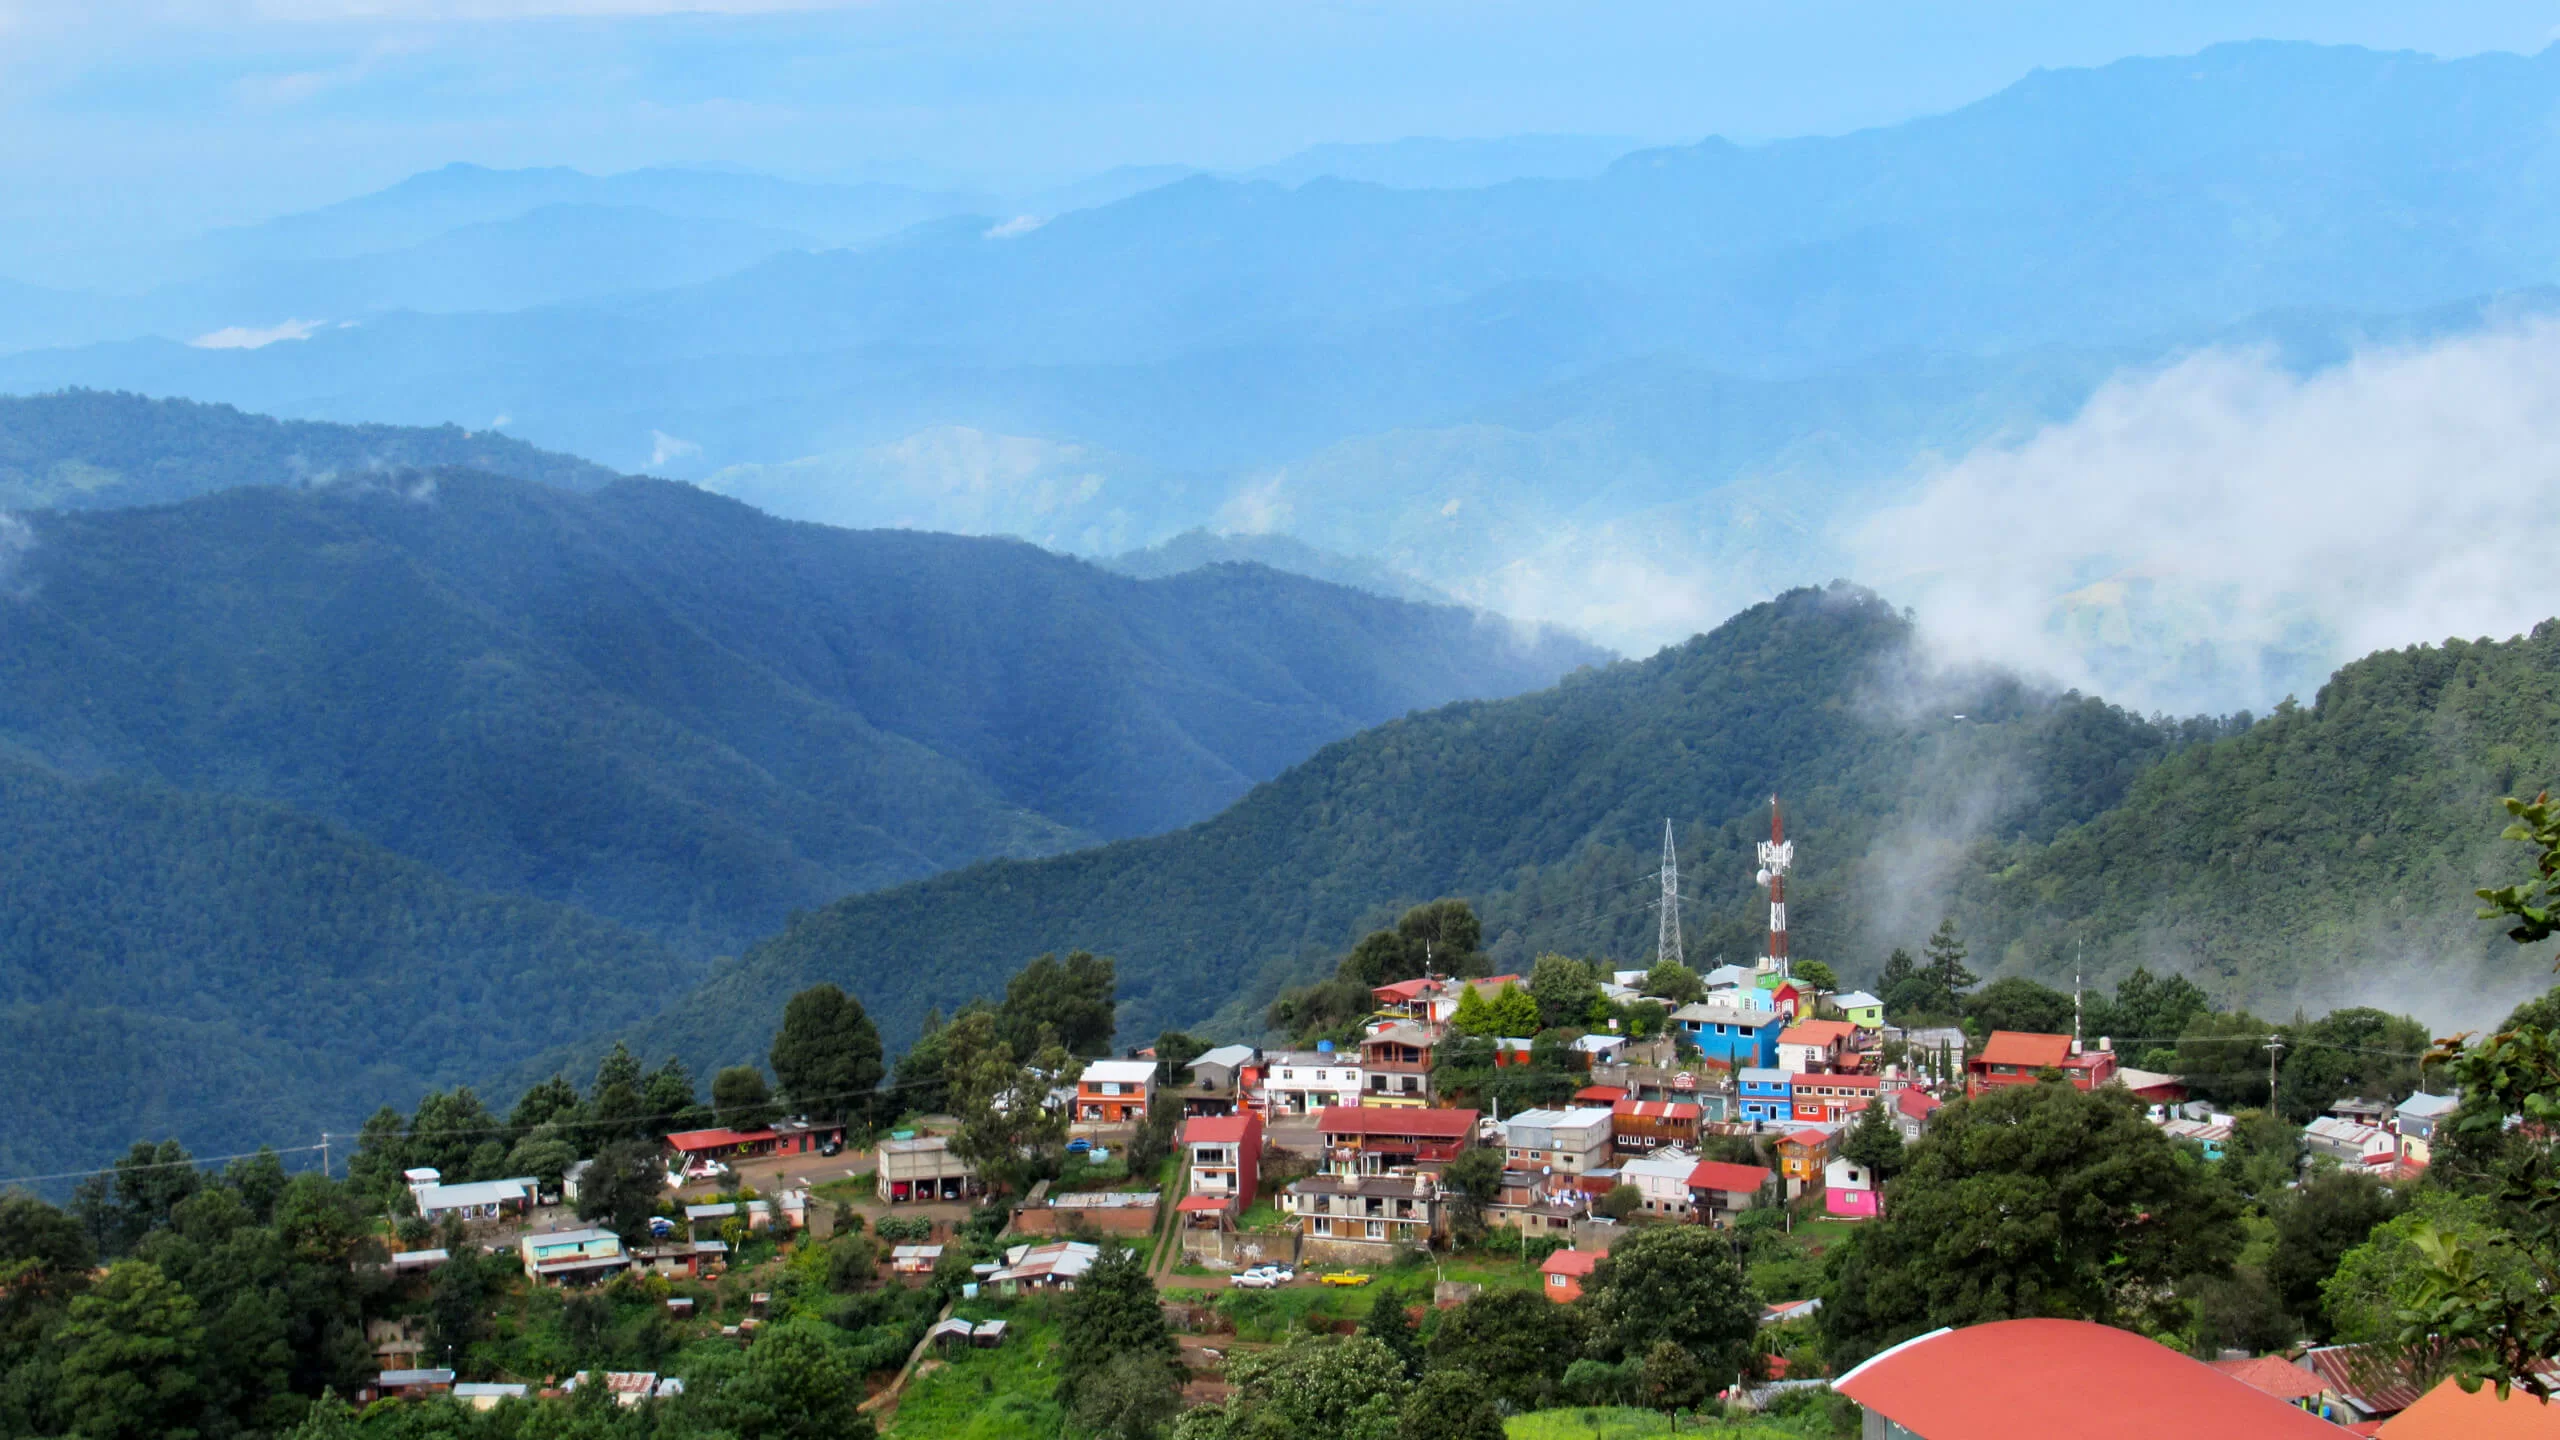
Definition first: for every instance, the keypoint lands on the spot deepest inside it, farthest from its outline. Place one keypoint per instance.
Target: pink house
(1849, 1190)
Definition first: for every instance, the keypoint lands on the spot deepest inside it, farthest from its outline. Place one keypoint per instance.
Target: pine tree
(1873, 1142)
(1389, 1325)
(1474, 1015)
(1112, 1312)
(1515, 1013)
(1946, 972)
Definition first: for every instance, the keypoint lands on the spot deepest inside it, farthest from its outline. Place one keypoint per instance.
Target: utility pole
(2275, 1045)
(1667, 944)
(324, 1155)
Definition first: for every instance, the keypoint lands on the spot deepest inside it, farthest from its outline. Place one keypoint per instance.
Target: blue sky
(131, 120)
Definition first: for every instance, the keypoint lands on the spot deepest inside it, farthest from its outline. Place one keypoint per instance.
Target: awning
(1198, 1204)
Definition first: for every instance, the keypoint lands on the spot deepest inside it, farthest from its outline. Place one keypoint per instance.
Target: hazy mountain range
(1627, 394)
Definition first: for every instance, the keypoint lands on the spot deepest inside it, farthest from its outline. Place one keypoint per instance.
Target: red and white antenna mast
(1776, 856)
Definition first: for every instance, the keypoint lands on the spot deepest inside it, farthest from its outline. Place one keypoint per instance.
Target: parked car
(832, 1147)
(1253, 1280)
(1079, 1145)
(1346, 1277)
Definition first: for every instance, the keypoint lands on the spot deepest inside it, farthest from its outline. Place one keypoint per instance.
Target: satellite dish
(1762, 877)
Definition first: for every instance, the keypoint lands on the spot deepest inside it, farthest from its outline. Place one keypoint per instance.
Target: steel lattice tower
(1668, 946)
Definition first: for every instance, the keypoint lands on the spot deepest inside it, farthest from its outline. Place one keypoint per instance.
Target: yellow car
(1347, 1277)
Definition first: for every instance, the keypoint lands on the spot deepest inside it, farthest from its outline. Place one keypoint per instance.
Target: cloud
(248, 337)
(664, 448)
(16, 539)
(1018, 225)
(2221, 532)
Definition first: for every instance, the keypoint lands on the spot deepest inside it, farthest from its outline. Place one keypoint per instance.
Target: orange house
(2016, 1057)
(1115, 1092)
(1565, 1271)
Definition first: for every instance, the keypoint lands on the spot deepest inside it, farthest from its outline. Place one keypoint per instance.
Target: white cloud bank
(257, 337)
(2222, 532)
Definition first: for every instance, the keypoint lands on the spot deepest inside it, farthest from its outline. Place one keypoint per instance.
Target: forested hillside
(2321, 857)
(96, 450)
(2325, 857)
(668, 709)
(226, 970)
(1547, 808)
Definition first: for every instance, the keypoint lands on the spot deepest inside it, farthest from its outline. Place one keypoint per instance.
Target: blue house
(1731, 1034)
(1767, 1094)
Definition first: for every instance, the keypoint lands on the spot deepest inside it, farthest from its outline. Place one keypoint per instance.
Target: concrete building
(1565, 1141)
(1736, 1035)
(1719, 1191)
(1662, 1178)
(1365, 1218)
(922, 1168)
(1767, 1095)
(1115, 1092)
(1395, 1065)
(1302, 1082)
(562, 1257)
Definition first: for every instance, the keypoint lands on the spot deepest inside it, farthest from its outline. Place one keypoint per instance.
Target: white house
(1303, 1082)
(1662, 1178)
(476, 1200)
(2415, 1120)
(2351, 1143)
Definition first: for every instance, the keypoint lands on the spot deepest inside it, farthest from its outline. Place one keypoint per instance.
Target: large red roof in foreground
(2038, 1379)
(2025, 1049)
(1397, 1121)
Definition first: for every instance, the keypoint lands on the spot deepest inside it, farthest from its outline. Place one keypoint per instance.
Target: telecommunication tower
(1667, 947)
(1777, 854)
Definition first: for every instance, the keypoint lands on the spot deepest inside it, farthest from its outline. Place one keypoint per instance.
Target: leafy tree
(546, 1155)
(2240, 1311)
(1904, 990)
(2361, 1301)
(923, 1081)
(2148, 1009)
(1674, 983)
(1565, 990)
(740, 1100)
(1071, 1002)
(2029, 1200)
(1444, 936)
(2223, 1058)
(2315, 1226)
(1672, 1378)
(1007, 1126)
(2015, 1002)
(620, 1190)
(1112, 1314)
(1174, 1053)
(1647, 1019)
(796, 1385)
(1449, 1405)
(1621, 1203)
(853, 1261)
(668, 1091)
(1353, 1389)
(2356, 1051)
(1678, 1283)
(1474, 1015)
(827, 1054)
(1391, 1326)
(1518, 1341)
(1474, 1181)
(1873, 1141)
(1815, 975)
(1515, 1014)
(137, 1197)
(1130, 1398)
(551, 1102)
(457, 1309)
(131, 1349)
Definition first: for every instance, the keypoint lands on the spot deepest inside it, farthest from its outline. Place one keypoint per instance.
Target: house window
(1556, 1280)
(1319, 1075)
(1323, 1226)
(1377, 1229)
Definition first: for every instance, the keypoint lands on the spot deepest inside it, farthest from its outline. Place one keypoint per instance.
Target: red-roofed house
(1811, 1046)
(2039, 1379)
(1565, 1271)
(2016, 1057)
(1720, 1190)
(1372, 1138)
(1599, 1095)
(696, 1145)
(1432, 999)
(2277, 1376)
(2446, 1413)
(1802, 1157)
(1226, 1156)
(1912, 1109)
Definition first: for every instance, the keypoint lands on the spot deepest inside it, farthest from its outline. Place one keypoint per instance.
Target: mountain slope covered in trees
(670, 710)
(2310, 858)
(175, 963)
(96, 450)
(1547, 808)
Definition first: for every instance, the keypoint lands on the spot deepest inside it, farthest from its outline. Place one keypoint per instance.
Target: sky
(126, 122)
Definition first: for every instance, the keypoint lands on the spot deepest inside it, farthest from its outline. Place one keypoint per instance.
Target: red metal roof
(1601, 1094)
(1200, 1204)
(2037, 1379)
(2371, 1375)
(1656, 1109)
(689, 1141)
(1402, 990)
(2020, 1047)
(1397, 1121)
(2445, 1413)
(1724, 1175)
(1817, 1032)
(1218, 1129)
(2273, 1374)
(1918, 1104)
(1569, 1262)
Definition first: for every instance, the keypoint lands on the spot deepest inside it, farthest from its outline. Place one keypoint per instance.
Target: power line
(195, 1162)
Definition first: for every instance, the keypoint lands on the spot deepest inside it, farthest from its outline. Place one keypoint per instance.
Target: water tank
(1324, 1047)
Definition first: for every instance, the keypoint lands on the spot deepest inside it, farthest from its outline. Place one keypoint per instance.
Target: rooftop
(2429, 1106)
(1764, 1075)
(1657, 1109)
(1817, 1032)
(2445, 1413)
(2035, 1379)
(1229, 1056)
(1571, 1262)
(1123, 1072)
(1856, 1000)
(2026, 1049)
(1917, 1103)
(1217, 1129)
(1722, 1175)
(1711, 1013)
(2273, 1374)
(691, 1141)
(1396, 1122)
(475, 1192)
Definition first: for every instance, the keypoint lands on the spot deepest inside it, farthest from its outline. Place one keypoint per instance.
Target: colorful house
(1720, 1190)
(1226, 1159)
(1115, 1092)
(2017, 1057)
(1302, 1082)
(1565, 1271)
(1912, 1110)
(561, 1256)
(1849, 1190)
(1833, 1097)
(1812, 1046)
(1371, 1138)
(1860, 1009)
(1638, 1127)
(1731, 1034)
(1803, 1155)
(1566, 1142)
(1766, 1095)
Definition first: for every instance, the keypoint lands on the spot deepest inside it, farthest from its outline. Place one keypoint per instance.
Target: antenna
(1667, 946)
(1777, 855)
